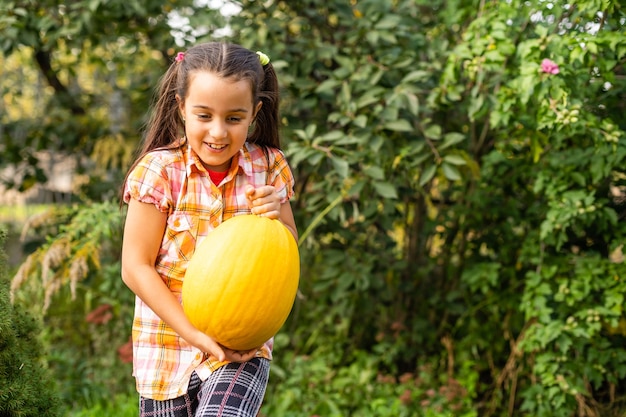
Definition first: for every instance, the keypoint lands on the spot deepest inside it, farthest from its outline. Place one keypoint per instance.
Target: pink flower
(180, 56)
(100, 315)
(550, 67)
(125, 352)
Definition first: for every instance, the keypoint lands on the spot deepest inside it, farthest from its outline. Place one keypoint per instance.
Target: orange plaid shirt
(176, 183)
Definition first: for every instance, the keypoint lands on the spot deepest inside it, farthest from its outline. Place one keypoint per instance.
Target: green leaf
(413, 102)
(400, 125)
(385, 189)
(332, 136)
(389, 21)
(427, 174)
(346, 93)
(450, 139)
(93, 5)
(360, 120)
(341, 166)
(327, 86)
(390, 37)
(374, 172)
(455, 160)
(300, 155)
(372, 37)
(310, 131)
(475, 106)
(450, 172)
(20, 11)
(417, 75)
(611, 216)
(371, 95)
(346, 62)
(433, 132)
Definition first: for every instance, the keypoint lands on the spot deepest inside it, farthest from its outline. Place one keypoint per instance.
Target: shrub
(26, 386)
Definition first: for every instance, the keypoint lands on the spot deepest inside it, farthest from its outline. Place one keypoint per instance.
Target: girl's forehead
(205, 85)
(210, 77)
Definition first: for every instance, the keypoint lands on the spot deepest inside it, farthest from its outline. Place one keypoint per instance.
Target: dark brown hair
(226, 60)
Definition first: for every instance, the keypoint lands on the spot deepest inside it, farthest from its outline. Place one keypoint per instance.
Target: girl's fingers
(263, 191)
(240, 356)
(272, 214)
(264, 201)
(250, 190)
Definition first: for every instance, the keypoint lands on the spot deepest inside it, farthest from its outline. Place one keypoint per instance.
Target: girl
(211, 152)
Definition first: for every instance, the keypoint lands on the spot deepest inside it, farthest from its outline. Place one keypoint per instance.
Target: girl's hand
(206, 344)
(239, 355)
(264, 201)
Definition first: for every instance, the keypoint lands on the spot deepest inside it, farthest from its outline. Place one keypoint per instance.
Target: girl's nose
(218, 129)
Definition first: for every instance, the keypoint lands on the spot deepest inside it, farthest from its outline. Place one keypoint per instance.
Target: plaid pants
(234, 390)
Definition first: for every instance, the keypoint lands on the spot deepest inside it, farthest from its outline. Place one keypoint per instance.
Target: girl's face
(217, 113)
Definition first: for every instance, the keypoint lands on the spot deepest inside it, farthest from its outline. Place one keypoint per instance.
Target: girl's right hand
(207, 345)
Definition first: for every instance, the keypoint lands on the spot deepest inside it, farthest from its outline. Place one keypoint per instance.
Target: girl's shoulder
(164, 157)
(255, 152)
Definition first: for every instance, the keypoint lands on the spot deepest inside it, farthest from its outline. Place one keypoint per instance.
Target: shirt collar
(244, 161)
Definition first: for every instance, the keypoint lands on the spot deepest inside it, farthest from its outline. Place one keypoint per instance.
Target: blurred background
(460, 199)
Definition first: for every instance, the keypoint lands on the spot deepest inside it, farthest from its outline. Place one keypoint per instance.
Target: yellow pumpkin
(242, 280)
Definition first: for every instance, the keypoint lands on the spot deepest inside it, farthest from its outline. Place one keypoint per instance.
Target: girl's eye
(235, 119)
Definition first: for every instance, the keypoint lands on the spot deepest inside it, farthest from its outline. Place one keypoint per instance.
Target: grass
(119, 406)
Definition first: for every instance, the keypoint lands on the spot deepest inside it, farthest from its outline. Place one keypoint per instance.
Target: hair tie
(180, 56)
(264, 59)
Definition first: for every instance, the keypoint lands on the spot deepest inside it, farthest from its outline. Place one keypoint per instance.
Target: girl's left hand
(239, 355)
(264, 201)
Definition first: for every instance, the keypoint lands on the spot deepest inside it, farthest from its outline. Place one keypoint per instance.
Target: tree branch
(45, 65)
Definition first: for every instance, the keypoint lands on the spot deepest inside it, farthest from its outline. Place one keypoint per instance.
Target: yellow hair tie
(264, 59)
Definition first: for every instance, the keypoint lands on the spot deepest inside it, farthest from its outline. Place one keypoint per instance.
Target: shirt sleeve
(149, 182)
(281, 176)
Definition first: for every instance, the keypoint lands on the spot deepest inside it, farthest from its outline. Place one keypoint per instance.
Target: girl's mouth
(216, 146)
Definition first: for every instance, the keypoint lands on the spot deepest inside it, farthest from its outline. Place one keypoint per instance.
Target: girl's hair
(226, 60)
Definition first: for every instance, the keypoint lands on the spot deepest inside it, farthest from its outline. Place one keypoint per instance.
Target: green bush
(26, 385)
(85, 307)
(323, 385)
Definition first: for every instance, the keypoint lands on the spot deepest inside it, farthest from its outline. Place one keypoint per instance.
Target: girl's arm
(286, 217)
(143, 232)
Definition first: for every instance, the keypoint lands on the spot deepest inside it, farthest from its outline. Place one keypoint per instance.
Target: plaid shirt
(176, 183)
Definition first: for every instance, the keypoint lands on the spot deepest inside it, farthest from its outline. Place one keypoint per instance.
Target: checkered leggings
(234, 390)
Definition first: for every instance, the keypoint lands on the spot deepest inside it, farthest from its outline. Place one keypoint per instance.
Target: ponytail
(165, 125)
(266, 131)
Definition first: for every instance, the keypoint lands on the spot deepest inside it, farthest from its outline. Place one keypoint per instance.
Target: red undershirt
(217, 177)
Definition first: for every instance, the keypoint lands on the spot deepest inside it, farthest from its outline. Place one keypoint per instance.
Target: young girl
(211, 152)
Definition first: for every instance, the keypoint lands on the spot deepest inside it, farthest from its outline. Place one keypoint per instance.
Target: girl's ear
(256, 109)
(181, 106)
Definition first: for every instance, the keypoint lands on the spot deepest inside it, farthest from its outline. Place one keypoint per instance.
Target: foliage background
(460, 210)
